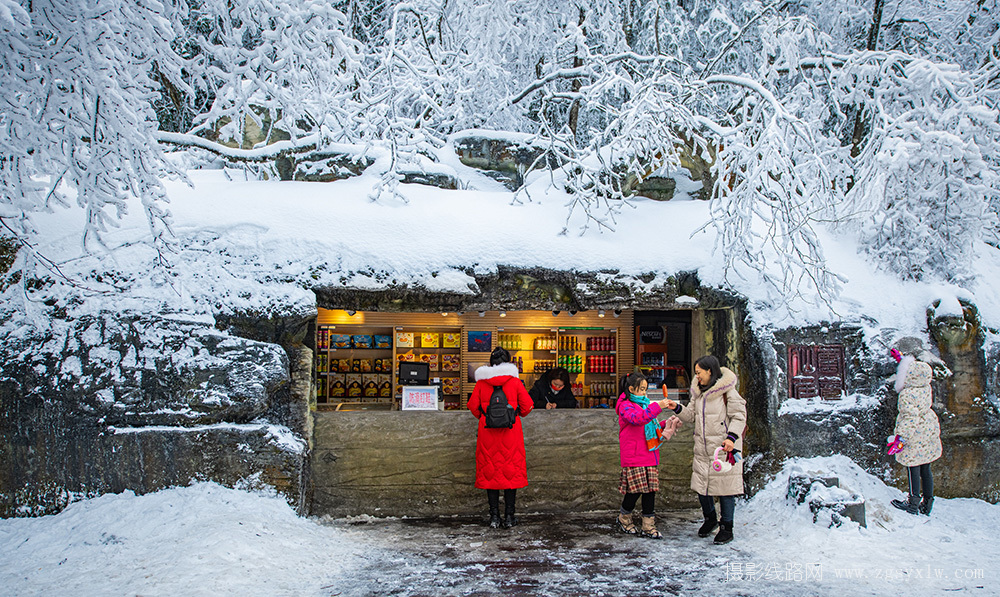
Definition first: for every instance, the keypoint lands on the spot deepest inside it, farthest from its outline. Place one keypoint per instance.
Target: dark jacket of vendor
(552, 390)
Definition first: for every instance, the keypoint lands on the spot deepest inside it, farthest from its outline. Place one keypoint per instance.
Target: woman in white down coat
(718, 414)
(918, 429)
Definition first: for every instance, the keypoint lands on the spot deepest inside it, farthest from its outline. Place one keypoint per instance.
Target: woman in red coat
(500, 460)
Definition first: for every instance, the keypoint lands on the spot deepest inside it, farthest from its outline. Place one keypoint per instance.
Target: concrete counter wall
(423, 464)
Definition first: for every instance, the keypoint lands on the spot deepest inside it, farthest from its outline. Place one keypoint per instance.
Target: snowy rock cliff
(118, 401)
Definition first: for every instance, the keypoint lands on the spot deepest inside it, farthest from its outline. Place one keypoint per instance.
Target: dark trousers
(509, 497)
(727, 503)
(921, 481)
(648, 503)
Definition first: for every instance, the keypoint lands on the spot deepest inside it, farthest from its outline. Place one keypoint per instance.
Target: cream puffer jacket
(715, 413)
(916, 423)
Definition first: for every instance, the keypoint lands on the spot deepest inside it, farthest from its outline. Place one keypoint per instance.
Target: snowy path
(209, 540)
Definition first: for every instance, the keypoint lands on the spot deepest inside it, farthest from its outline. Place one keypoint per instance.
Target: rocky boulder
(110, 402)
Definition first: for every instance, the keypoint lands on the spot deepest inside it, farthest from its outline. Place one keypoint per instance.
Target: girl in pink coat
(639, 438)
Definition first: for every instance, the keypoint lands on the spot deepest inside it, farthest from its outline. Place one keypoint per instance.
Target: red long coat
(500, 459)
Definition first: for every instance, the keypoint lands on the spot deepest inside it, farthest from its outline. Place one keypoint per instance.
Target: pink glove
(668, 430)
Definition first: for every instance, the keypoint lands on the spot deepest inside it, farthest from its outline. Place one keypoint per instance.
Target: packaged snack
(385, 386)
(344, 365)
(451, 340)
(404, 339)
(340, 341)
(369, 383)
(450, 362)
(450, 385)
(321, 363)
(429, 340)
(355, 385)
(322, 338)
(406, 357)
(338, 387)
(382, 341)
(432, 360)
(361, 341)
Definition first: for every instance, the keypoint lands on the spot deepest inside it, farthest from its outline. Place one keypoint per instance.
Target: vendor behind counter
(552, 390)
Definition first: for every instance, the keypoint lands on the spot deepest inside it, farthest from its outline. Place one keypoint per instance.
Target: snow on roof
(262, 246)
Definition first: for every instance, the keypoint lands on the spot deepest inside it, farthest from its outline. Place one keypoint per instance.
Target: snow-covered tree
(77, 122)
(284, 66)
(877, 116)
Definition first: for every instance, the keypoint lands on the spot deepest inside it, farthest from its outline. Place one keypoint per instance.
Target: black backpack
(499, 413)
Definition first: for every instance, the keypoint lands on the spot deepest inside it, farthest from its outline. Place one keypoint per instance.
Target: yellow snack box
(370, 384)
(338, 388)
(355, 385)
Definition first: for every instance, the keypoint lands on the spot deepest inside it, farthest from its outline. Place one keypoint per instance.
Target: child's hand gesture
(667, 403)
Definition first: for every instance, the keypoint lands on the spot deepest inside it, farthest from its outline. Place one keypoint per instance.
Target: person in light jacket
(719, 416)
(918, 429)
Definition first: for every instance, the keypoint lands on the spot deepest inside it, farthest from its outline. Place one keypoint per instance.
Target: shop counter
(422, 463)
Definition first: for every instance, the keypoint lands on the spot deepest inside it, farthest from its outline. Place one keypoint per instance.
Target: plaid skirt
(639, 479)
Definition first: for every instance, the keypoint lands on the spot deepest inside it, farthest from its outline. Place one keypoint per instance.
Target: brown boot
(649, 528)
(625, 524)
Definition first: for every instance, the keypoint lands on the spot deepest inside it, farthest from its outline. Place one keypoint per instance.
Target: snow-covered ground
(209, 540)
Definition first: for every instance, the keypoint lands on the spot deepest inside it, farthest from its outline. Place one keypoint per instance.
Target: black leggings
(648, 503)
(509, 496)
(921, 481)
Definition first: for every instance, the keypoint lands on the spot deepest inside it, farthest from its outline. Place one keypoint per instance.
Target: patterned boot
(625, 525)
(649, 528)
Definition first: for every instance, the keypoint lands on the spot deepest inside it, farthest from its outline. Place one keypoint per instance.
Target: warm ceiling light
(482, 313)
(503, 314)
(444, 314)
(600, 312)
(351, 312)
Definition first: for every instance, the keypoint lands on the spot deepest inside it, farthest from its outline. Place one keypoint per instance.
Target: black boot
(725, 533)
(509, 499)
(493, 496)
(710, 524)
(911, 506)
(509, 520)
(926, 504)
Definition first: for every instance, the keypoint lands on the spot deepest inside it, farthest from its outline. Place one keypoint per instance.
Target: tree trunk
(577, 85)
(859, 124)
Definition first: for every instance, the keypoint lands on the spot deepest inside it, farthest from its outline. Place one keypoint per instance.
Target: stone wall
(964, 399)
(423, 464)
(114, 402)
(823, 432)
